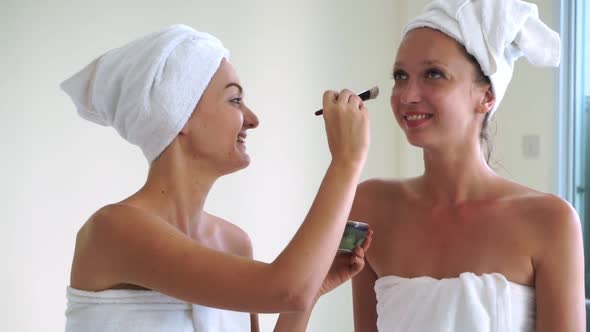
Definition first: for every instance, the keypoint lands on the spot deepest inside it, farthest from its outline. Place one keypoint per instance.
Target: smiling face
(436, 99)
(216, 131)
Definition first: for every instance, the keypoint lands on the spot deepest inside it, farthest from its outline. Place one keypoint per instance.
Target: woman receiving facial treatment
(460, 248)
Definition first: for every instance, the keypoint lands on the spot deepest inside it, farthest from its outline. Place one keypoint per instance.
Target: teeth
(417, 117)
(241, 140)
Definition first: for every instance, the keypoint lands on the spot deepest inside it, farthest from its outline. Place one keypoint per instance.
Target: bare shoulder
(116, 219)
(546, 210)
(108, 234)
(381, 188)
(374, 194)
(551, 219)
(109, 220)
(236, 240)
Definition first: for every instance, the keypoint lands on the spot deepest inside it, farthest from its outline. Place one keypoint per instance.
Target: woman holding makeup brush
(157, 261)
(461, 248)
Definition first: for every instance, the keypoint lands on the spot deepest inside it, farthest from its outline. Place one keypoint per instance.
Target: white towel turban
(496, 33)
(148, 88)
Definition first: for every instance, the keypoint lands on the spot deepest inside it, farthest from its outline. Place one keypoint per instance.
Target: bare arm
(559, 272)
(294, 321)
(364, 300)
(136, 248)
(247, 251)
(333, 202)
(344, 267)
(254, 326)
(363, 292)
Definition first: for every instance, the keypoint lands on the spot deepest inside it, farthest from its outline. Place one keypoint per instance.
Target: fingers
(368, 240)
(359, 251)
(347, 127)
(348, 99)
(357, 259)
(330, 97)
(345, 99)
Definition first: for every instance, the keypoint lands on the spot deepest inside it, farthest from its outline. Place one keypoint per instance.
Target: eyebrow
(229, 85)
(425, 62)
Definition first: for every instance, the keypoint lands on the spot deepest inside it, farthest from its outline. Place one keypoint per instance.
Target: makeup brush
(365, 95)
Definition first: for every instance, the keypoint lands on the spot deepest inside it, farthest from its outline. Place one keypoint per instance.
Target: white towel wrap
(469, 303)
(145, 311)
(148, 88)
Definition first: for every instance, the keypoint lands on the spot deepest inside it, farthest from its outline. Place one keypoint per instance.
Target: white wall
(57, 168)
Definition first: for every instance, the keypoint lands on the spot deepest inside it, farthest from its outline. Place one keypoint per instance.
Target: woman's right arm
(135, 248)
(304, 263)
(364, 300)
(559, 267)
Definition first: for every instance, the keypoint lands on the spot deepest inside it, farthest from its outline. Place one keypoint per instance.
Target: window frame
(572, 103)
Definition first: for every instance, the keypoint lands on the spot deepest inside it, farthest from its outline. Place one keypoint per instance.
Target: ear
(487, 101)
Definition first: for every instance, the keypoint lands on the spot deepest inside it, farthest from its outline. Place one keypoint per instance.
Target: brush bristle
(374, 92)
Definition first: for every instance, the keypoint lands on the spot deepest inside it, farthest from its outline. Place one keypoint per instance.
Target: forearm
(294, 321)
(306, 260)
(254, 326)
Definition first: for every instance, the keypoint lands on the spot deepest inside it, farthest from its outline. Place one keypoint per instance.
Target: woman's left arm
(344, 267)
(254, 327)
(294, 321)
(559, 270)
(242, 246)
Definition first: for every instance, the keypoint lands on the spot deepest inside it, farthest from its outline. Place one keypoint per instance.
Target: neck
(456, 175)
(177, 188)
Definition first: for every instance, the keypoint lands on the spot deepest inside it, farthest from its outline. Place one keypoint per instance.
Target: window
(581, 198)
(582, 143)
(574, 154)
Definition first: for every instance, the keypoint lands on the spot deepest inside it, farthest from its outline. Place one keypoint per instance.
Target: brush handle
(363, 95)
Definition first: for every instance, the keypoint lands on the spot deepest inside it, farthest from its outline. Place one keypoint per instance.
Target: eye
(399, 75)
(236, 101)
(434, 74)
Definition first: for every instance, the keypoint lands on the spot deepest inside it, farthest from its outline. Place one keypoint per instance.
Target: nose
(250, 119)
(409, 93)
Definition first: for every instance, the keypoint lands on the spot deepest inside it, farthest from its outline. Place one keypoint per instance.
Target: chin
(416, 140)
(245, 161)
(239, 165)
(244, 164)
(421, 141)
(415, 144)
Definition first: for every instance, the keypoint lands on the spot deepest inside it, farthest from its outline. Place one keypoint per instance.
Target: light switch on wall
(531, 146)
